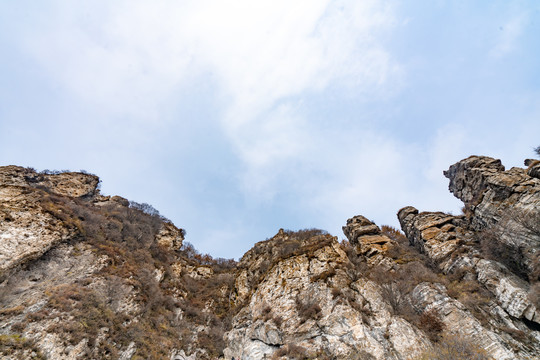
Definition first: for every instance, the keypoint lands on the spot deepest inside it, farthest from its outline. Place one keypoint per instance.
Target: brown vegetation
(455, 348)
(291, 351)
(18, 347)
(125, 235)
(307, 309)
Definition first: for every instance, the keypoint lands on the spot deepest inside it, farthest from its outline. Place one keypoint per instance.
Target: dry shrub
(362, 355)
(394, 234)
(534, 295)
(278, 320)
(16, 345)
(126, 236)
(291, 351)
(430, 323)
(12, 311)
(307, 309)
(38, 315)
(324, 275)
(305, 234)
(289, 248)
(455, 348)
(517, 334)
(266, 313)
(397, 285)
(513, 257)
(212, 341)
(493, 248)
(19, 326)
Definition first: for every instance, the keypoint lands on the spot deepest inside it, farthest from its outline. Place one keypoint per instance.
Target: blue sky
(237, 118)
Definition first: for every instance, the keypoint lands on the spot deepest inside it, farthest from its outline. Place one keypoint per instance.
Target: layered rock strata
(503, 202)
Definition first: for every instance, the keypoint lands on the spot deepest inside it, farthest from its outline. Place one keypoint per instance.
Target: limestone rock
(508, 202)
(367, 239)
(458, 321)
(297, 303)
(502, 207)
(74, 184)
(170, 236)
(89, 276)
(28, 228)
(447, 241)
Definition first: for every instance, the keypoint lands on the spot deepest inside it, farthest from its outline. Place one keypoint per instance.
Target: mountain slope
(86, 276)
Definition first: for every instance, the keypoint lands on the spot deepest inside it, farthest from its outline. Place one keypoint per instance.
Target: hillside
(87, 276)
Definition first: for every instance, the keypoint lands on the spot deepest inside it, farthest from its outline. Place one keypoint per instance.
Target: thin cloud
(509, 34)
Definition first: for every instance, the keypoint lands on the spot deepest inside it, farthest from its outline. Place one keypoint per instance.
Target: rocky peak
(533, 168)
(496, 242)
(73, 184)
(264, 255)
(435, 233)
(506, 203)
(469, 178)
(367, 239)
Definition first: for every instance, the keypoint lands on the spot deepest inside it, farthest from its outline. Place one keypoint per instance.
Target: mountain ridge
(83, 275)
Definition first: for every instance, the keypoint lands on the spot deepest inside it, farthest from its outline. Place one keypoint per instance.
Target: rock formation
(87, 276)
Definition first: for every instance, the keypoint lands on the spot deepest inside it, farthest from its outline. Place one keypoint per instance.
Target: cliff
(87, 276)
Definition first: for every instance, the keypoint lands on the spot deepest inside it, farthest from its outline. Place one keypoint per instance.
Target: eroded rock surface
(29, 221)
(507, 202)
(308, 300)
(496, 242)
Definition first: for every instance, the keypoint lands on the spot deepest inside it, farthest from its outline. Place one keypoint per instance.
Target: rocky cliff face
(28, 227)
(86, 276)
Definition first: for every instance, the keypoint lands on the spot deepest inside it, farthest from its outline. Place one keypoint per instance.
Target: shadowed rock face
(446, 240)
(505, 202)
(502, 209)
(533, 168)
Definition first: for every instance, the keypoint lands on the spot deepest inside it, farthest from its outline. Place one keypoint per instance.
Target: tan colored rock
(27, 230)
(508, 289)
(73, 184)
(335, 326)
(506, 201)
(170, 236)
(367, 239)
(199, 272)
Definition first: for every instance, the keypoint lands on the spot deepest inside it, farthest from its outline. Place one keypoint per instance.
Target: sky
(237, 118)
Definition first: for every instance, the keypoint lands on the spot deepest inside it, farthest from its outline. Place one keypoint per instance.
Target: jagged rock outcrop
(69, 266)
(73, 184)
(493, 241)
(459, 321)
(306, 302)
(367, 239)
(506, 202)
(451, 247)
(533, 169)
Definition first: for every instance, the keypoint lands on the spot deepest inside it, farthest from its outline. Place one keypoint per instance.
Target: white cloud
(128, 58)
